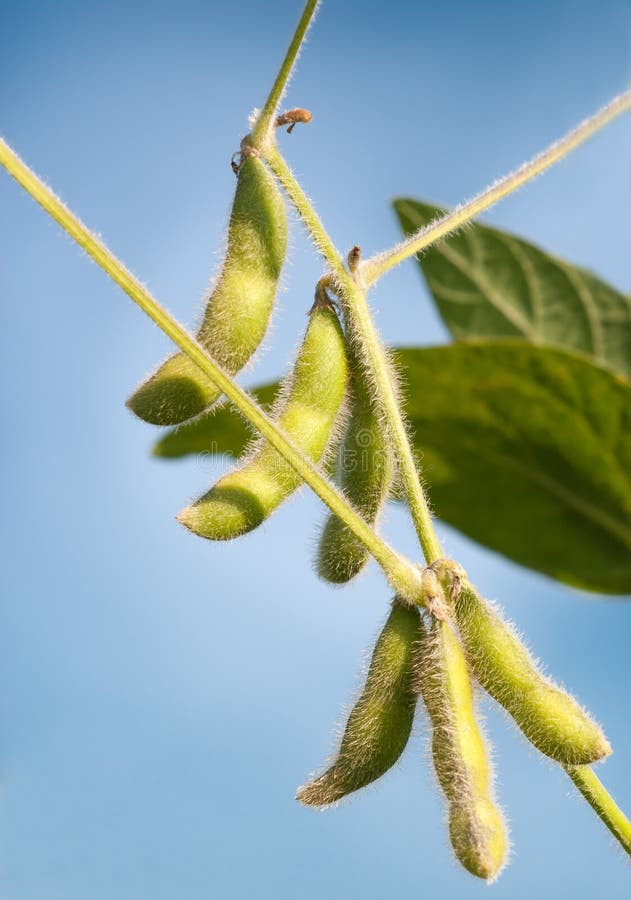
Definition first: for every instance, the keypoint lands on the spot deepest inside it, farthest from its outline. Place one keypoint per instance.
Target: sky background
(162, 697)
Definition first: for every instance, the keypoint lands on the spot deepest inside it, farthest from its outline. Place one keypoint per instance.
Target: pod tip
(604, 747)
(187, 517)
(319, 793)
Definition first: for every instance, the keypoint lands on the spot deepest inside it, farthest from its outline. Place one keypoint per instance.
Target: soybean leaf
(488, 283)
(528, 450)
(219, 430)
(525, 449)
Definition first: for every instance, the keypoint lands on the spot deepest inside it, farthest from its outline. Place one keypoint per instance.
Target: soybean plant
(440, 636)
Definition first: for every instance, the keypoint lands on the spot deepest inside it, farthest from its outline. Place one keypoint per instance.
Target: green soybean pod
(476, 826)
(239, 308)
(380, 722)
(307, 411)
(549, 717)
(365, 471)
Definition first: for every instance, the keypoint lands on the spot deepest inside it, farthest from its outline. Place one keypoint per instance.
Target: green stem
(404, 577)
(602, 803)
(374, 268)
(265, 122)
(371, 347)
(304, 209)
(384, 381)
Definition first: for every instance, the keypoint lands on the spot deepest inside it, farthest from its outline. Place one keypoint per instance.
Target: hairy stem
(372, 350)
(380, 370)
(265, 122)
(404, 577)
(304, 209)
(602, 803)
(374, 268)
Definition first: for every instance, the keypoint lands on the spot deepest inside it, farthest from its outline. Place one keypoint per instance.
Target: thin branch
(264, 123)
(404, 577)
(374, 268)
(602, 803)
(305, 209)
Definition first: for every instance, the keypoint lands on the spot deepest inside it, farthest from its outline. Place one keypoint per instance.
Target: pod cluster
(417, 655)
(311, 403)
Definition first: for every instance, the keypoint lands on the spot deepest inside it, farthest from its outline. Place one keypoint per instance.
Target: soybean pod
(309, 406)
(239, 308)
(380, 722)
(476, 826)
(365, 470)
(549, 717)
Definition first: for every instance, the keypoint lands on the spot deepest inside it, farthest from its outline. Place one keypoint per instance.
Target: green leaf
(488, 283)
(528, 451)
(219, 430)
(525, 449)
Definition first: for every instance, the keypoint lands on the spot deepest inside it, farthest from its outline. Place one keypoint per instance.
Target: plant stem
(384, 382)
(265, 122)
(372, 350)
(602, 803)
(402, 574)
(304, 209)
(374, 268)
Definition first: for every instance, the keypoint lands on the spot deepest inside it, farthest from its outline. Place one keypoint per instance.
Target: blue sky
(162, 697)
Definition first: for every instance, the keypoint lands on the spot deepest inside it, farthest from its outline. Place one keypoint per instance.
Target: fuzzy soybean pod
(476, 826)
(239, 308)
(365, 471)
(380, 722)
(549, 717)
(309, 406)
